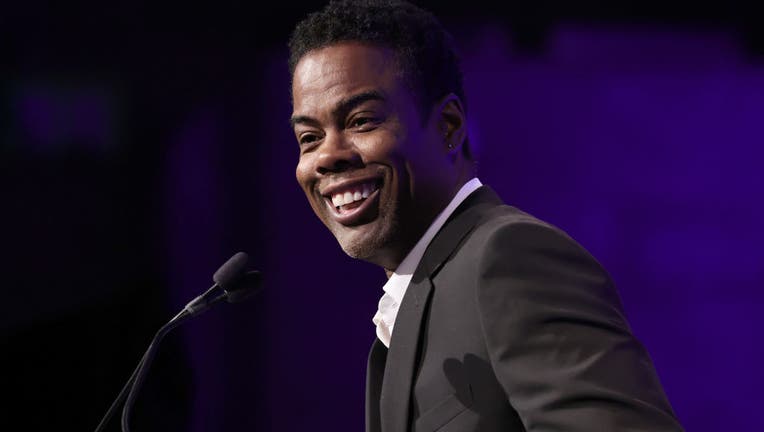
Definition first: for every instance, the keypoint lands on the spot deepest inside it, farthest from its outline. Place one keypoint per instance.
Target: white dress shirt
(396, 286)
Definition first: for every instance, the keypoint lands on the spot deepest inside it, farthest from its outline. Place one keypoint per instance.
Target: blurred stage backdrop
(143, 143)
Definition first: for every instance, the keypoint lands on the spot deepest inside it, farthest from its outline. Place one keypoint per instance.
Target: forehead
(327, 75)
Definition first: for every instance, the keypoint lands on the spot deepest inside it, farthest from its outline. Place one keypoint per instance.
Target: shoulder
(531, 261)
(553, 326)
(509, 230)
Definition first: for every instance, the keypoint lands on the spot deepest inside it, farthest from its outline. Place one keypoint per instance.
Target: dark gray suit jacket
(509, 325)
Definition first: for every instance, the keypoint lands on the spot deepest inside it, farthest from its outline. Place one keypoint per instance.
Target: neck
(393, 260)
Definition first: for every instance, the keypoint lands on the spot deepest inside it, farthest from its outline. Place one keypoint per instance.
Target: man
(491, 319)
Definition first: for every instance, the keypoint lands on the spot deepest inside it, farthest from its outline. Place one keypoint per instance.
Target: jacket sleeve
(558, 340)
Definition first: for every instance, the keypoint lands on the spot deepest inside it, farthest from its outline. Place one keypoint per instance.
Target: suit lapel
(400, 367)
(396, 386)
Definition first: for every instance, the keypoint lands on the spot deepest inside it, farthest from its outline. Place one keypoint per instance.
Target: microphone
(232, 284)
(225, 278)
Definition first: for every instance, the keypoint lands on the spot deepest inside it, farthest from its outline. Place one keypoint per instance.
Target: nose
(336, 154)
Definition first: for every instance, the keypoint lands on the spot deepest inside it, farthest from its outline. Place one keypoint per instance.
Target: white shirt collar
(396, 286)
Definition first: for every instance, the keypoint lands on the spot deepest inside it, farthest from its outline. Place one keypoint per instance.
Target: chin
(369, 245)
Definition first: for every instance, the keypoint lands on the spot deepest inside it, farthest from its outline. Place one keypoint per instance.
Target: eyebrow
(342, 108)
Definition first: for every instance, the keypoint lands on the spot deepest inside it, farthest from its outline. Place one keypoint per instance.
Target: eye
(363, 123)
(308, 138)
(359, 121)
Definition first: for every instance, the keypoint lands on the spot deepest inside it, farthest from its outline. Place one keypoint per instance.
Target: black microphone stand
(136, 380)
(139, 376)
(231, 284)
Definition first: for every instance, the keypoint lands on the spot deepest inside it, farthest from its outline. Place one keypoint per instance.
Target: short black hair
(425, 51)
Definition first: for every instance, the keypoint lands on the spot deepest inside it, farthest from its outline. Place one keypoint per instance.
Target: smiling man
(491, 319)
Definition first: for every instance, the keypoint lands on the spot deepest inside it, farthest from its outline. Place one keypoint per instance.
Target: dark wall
(143, 144)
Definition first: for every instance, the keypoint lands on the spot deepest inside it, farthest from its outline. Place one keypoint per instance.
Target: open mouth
(352, 197)
(350, 204)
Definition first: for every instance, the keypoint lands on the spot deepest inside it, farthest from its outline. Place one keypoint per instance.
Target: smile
(344, 200)
(350, 203)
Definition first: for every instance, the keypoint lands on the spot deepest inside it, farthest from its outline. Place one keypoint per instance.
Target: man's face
(374, 172)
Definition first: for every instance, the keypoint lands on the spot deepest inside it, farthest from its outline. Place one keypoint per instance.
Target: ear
(452, 122)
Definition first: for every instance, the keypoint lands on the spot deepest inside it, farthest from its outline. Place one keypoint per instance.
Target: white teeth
(360, 192)
(337, 200)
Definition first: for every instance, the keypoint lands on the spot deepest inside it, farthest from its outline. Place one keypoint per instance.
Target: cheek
(429, 150)
(384, 146)
(302, 172)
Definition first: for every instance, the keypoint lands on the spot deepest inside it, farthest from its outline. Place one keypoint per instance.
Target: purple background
(142, 147)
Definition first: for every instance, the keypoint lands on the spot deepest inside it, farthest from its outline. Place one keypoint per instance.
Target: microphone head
(231, 271)
(249, 284)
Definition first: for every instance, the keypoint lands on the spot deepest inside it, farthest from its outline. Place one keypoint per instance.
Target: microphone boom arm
(232, 283)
